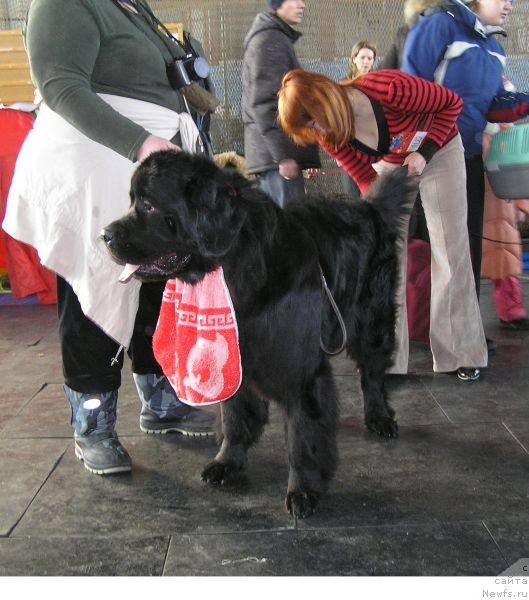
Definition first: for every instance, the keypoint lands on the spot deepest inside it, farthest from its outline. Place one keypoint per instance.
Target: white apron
(66, 188)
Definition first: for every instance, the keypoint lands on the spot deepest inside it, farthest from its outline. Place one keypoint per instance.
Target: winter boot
(162, 412)
(96, 442)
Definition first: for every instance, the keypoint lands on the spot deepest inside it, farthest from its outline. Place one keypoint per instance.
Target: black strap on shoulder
(382, 124)
(144, 11)
(383, 133)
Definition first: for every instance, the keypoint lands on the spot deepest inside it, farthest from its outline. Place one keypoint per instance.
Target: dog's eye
(170, 223)
(148, 206)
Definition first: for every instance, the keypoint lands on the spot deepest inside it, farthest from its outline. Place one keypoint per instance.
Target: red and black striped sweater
(411, 113)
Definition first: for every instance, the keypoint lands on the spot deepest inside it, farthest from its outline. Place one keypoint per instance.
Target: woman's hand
(288, 168)
(153, 144)
(415, 163)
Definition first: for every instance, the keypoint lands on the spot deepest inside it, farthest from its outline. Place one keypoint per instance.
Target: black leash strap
(327, 291)
(475, 235)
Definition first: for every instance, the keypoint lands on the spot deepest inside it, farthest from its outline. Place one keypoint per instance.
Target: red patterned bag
(196, 340)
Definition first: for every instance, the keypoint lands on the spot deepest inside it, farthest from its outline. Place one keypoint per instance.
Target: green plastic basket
(507, 164)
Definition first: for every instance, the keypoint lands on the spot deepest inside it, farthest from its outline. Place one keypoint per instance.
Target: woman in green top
(100, 67)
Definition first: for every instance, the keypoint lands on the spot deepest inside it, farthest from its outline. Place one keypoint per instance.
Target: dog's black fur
(188, 216)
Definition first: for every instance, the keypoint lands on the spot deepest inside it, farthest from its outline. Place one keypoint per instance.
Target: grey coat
(393, 59)
(268, 55)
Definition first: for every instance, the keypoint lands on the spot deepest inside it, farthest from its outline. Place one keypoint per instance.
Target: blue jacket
(450, 46)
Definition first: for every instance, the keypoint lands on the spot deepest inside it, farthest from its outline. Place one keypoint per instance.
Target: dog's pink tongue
(128, 272)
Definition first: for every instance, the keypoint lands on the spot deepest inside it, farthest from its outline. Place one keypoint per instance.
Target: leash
(327, 291)
(475, 235)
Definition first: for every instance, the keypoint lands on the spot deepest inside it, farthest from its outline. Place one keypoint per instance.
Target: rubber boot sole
(95, 470)
(174, 429)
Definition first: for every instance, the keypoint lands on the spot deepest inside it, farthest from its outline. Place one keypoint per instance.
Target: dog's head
(184, 218)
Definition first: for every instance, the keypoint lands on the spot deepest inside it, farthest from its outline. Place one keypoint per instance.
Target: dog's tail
(393, 195)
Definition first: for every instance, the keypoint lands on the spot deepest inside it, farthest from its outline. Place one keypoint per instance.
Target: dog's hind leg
(311, 439)
(378, 414)
(373, 341)
(243, 418)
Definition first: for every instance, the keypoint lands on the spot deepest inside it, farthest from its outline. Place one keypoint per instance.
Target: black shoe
(516, 324)
(468, 373)
(184, 419)
(491, 344)
(102, 453)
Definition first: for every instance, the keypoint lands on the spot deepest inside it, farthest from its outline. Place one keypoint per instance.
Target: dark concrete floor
(449, 497)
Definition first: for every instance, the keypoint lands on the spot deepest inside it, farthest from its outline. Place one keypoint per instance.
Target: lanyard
(144, 11)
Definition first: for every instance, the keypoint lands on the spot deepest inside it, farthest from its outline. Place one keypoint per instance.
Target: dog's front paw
(301, 504)
(384, 426)
(217, 473)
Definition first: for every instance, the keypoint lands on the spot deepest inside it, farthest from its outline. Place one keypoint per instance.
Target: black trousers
(476, 203)
(87, 351)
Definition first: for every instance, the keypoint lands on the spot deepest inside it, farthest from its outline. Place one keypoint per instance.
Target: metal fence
(330, 29)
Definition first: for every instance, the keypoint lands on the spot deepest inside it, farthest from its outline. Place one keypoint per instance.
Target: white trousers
(456, 329)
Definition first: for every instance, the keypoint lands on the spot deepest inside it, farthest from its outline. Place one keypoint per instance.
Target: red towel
(196, 340)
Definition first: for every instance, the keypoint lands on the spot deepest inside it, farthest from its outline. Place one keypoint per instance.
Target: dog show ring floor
(450, 496)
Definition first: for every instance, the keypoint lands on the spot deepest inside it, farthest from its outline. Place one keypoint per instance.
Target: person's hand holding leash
(153, 144)
(288, 168)
(415, 163)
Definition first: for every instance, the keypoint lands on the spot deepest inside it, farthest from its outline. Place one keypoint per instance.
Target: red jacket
(412, 114)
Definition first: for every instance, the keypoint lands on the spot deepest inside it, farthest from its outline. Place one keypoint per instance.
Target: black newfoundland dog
(188, 216)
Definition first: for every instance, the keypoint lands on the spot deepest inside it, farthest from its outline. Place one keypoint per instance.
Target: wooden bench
(15, 79)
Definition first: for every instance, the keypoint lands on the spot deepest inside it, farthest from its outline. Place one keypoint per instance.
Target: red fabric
(418, 286)
(27, 276)
(196, 341)
(508, 298)
(501, 221)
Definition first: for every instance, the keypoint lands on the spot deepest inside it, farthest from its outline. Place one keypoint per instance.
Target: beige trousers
(456, 330)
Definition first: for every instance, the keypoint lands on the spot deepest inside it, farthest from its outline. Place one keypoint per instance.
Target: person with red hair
(403, 120)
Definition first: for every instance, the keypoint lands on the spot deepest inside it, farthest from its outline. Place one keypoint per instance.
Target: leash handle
(332, 172)
(323, 172)
(325, 288)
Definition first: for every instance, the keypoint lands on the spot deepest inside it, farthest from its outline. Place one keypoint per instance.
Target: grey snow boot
(96, 442)
(162, 412)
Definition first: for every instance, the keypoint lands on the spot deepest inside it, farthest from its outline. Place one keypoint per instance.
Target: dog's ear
(218, 232)
(219, 214)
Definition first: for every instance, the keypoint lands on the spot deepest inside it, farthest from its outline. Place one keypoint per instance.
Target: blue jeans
(349, 186)
(281, 190)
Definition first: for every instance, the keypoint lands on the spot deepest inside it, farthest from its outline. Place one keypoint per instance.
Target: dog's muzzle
(115, 238)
